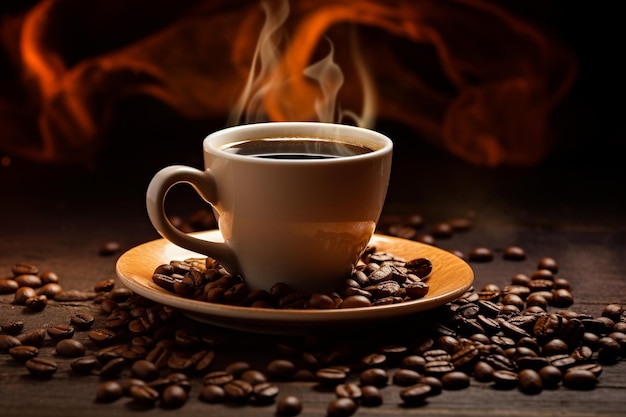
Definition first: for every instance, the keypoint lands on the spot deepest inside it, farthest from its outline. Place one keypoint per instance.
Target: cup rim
(214, 142)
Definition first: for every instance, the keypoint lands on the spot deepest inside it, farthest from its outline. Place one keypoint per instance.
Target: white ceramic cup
(303, 222)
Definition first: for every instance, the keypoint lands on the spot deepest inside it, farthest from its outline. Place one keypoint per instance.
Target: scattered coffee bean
(8, 286)
(212, 393)
(36, 303)
(415, 394)
(174, 396)
(530, 382)
(60, 331)
(84, 365)
(41, 367)
(22, 353)
(514, 253)
(371, 396)
(455, 380)
(265, 393)
(288, 406)
(12, 327)
(341, 407)
(109, 391)
(579, 379)
(144, 395)
(70, 348)
(109, 248)
(82, 321)
(480, 254)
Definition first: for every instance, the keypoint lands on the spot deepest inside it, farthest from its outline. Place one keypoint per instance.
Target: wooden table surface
(58, 218)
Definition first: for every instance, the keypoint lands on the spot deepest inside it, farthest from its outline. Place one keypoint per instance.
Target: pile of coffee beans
(520, 335)
(381, 279)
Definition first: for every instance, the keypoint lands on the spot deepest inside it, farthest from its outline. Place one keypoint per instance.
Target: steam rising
(277, 84)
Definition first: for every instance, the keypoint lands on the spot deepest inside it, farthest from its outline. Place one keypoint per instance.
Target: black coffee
(296, 148)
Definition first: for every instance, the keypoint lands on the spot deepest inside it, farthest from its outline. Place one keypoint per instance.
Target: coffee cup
(295, 202)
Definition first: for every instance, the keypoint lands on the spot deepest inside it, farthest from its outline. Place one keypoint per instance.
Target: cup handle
(204, 184)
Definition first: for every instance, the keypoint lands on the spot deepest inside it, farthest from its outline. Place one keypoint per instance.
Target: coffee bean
(22, 353)
(562, 298)
(109, 391)
(405, 377)
(34, 337)
(28, 280)
(549, 264)
(41, 367)
(238, 391)
(288, 406)
(609, 350)
(144, 395)
(102, 337)
(70, 348)
(341, 407)
(212, 394)
(483, 372)
(8, 286)
(22, 294)
(253, 377)
(109, 248)
(455, 380)
(36, 303)
(441, 230)
(422, 267)
(551, 376)
(49, 277)
(415, 394)
(377, 377)
(579, 379)
(505, 379)
(237, 368)
(50, 290)
(84, 365)
(174, 396)
(530, 382)
(426, 239)
(24, 268)
(60, 331)
(352, 391)
(113, 368)
(265, 392)
(219, 378)
(144, 370)
(613, 311)
(12, 327)
(281, 370)
(105, 285)
(554, 347)
(8, 341)
(330, 376)
(371, 396)
(480, 254)
(514, 253)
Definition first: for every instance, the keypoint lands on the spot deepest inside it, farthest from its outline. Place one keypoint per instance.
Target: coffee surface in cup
(296, 148)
